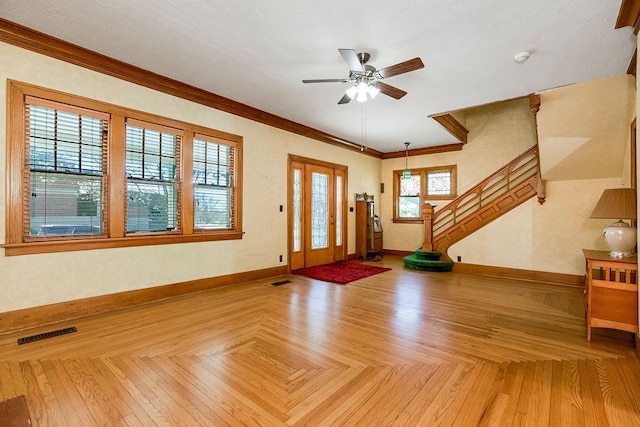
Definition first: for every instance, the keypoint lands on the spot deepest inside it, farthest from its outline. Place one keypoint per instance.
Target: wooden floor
(399, 348)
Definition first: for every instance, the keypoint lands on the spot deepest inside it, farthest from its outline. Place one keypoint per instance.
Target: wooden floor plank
(398, 348)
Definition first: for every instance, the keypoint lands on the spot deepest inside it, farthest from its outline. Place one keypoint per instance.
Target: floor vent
(281, 282)
(46, 335)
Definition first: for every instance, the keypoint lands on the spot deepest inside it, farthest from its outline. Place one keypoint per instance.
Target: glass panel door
(319, 207)
(319, 210)
(317, 219)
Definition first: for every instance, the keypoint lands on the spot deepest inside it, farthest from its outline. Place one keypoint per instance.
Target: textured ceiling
(257, 52)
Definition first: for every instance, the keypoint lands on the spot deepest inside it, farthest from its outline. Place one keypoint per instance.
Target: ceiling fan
(366, 78)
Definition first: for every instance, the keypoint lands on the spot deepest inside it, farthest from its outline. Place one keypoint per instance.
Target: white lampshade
(362, 88)
(618, 203)
(351, 92)
(373, 91)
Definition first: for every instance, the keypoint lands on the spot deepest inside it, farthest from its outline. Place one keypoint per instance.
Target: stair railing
(519, 170)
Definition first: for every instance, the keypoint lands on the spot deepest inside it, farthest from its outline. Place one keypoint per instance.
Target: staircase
(510, 186)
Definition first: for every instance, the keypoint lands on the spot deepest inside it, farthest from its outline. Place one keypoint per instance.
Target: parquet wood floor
(402, 348)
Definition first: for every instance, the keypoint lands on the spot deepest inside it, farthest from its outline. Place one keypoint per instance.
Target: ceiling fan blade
(351, 58)
(389, 90)
(401, 68)
(326, 81)
(345, 99)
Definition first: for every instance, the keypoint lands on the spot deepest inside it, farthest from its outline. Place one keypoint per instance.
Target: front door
(316, 205)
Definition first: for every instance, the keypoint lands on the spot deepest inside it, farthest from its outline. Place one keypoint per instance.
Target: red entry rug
(341, 272)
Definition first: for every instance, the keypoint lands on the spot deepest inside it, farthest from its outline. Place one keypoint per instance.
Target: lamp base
(614, 254)
(621, 239)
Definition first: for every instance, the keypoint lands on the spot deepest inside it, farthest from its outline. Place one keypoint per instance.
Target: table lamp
(618, 203)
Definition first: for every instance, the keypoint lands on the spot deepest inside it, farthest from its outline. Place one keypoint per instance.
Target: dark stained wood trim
(53, 313)
(302, 159)
(629, 15)
(422, 151)
(395, 252)
(573, 280)
(631, 69)
(534, 103)
(452, 126)
(44, 44)
(70, 245)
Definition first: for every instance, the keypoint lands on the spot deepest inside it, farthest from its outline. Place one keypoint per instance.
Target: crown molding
(629, 15)
(454, 127)
(534, 103)
(47, 45)
(422, 151)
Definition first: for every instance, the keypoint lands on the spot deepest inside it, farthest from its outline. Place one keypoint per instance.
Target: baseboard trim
(396, 252)
(515, 273)
(53, 313)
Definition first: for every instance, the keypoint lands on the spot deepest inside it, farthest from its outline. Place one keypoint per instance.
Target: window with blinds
(83, 174)
(152, 161)
(213, 183)
(65, 160)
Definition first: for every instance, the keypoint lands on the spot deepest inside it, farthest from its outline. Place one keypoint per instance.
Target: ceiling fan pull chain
(364, 127)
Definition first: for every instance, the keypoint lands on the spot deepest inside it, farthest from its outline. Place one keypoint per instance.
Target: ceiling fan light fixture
(351, 92)
(362, 88)
(365, 78)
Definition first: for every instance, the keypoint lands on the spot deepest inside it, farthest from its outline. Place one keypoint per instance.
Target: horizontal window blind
(65, 160)
(152, 168)
(84, 174)
(214, 183)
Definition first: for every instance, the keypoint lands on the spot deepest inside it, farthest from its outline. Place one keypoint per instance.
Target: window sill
(12, 249)
(408, 221)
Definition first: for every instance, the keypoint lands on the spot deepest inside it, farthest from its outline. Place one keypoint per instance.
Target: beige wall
(547, 237)
(544, 238)
(586, 124)
(497, 133)
(34, 280)
(584, 149)
(533, 237)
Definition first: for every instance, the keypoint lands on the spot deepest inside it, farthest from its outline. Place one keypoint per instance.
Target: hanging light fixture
(373, 91)
(406, 173)
(361, 89)
(351, 92)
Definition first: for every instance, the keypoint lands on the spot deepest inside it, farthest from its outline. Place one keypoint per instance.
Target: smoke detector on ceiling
(522, 56)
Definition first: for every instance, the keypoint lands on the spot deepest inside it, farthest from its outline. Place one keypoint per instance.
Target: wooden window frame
(28, 169)
(115, 206)
(423, 172)
(179, 135)
(232, 178)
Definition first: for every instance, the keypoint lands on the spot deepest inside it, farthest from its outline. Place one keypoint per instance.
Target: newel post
(427, 216)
